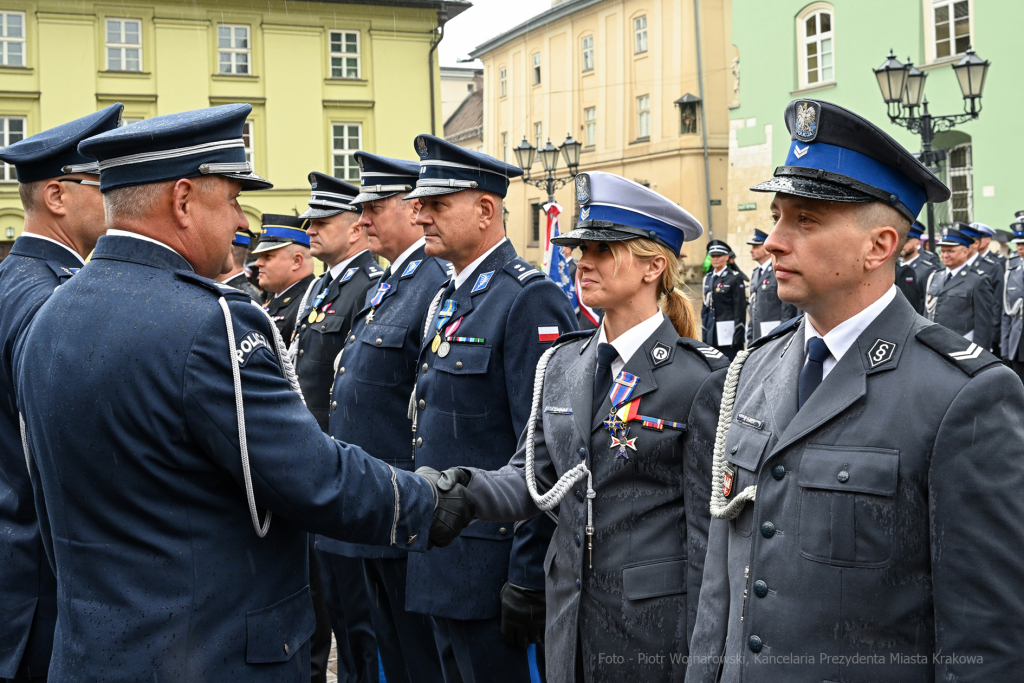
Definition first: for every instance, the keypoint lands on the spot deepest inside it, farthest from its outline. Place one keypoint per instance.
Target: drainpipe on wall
(442, 19)
(703, 118)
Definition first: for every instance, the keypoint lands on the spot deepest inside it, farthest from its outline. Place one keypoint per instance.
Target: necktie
(814, 369)
(949, 276)
(606, 353)
(386, 275)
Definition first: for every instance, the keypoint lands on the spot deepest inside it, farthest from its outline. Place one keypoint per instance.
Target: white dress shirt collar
(285, 290)
(467, 272)
(909, 261)
(125, 233)
(972, 259)
(720, 273)
(406, 254)
(841, 337)
(956, 271)
(337, 269)
(632, 339)
(59, 244)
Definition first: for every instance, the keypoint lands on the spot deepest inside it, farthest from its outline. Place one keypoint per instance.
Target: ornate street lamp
(970, 73)
(527, 153)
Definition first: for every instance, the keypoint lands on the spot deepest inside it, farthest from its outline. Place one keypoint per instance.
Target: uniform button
(424, 367)
(286, 648)
(352, 338)
(419, 442)
(458, 365)
(734, 450)
(303, 325)
(379, 341)
(341, 371)
(334, 405)
(583, 452)
(579, 541)
(422, 404)
(323, 328)
(302, 352)
(760, 589)
(843, 476)
(779, 471)
(503, 531)
(754, 643)
(579, 496)
(767, 529)
(578, 584)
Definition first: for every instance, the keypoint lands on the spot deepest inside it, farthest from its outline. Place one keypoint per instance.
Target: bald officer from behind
(370, 406)
(849, 543)
(286, 268)
(59, 191)
(485, 332)
(161, 487)
(235, 275)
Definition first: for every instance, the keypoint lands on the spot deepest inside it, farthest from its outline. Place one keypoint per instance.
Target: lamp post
(902, 87)
(526, 154)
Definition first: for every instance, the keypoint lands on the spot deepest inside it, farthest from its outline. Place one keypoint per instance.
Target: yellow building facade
(324, 78)
(623, 78)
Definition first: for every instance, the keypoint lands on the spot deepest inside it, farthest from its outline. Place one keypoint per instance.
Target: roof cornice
(543, 19)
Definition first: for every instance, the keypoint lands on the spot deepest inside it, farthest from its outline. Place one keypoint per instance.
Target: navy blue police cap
(330, 196)
(916, 230)
(718, 248)
(615, 209)
(243, 238)
(446, 168)
(838, 156)
(382, 177)
(1018, 230)
(983, 229)
(969, 230)
(185, 145)
(54, 152)
(759, 237)
(956, 238)
(280, 230)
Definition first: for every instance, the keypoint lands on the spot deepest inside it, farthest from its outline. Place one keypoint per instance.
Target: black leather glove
(522, 615)
(453, 504)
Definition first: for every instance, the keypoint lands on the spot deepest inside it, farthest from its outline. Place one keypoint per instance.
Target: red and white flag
(547, 334)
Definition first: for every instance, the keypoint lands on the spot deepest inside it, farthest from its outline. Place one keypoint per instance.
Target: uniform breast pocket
(462, 381)
(326, 340)
(381, 360)
(744, 447)
(848, 505)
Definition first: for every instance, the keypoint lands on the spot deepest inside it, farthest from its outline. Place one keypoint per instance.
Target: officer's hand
(453, 505)
(522, 615)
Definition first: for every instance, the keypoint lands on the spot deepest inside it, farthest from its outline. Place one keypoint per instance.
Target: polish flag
(547, 334)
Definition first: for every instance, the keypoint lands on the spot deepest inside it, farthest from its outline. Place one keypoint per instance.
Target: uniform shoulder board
(521, 271)
(62, 272)
(574, 336)
(219, 288)
(782, 330)
(967, 356)
(373, 270)
(715, 359)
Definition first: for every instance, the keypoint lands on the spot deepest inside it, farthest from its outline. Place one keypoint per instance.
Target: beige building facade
(623, 78)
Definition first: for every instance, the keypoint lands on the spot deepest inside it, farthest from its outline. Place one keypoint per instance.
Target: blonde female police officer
(624, 421)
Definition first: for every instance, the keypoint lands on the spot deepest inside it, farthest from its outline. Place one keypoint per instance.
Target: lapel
(956, 281)
(581, 400)
(397, 278)
(780, 383)
(497, 260)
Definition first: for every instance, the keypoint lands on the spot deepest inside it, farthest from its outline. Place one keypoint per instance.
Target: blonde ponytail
(671, 300)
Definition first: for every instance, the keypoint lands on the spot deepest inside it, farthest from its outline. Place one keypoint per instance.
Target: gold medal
(436, 343)
(443, 349)
(320, 318)
(312, 316)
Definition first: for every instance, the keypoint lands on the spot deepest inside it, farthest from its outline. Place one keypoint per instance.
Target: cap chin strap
(720, 507)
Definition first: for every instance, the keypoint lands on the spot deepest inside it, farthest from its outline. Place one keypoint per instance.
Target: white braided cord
(24, 442)
(1019, 303)
(411, 413)
(929, 306)
(720, 507)
(293, 349)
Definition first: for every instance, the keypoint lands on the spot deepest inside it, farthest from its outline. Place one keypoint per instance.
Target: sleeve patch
(250, 343)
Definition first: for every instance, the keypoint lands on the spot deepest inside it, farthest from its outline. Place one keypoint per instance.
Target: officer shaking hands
(286, 268)
(848, 542)
(59, 191)
(161, 446)
(484, 333)
(725, 302)
(959, 296)
(767, 311)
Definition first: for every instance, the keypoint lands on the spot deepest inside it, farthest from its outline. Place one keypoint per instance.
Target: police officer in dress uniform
(483, 336)
(370, 408)
(286, 268)
(913, 269)
(637, 405)
(1013, 305)
(157, 444)
(235, 275)
(849, 543)
(63, 220)
(725, 302)
(767, 311)
(915, 244)
(960, 297)
(994, 266)
(325, 314)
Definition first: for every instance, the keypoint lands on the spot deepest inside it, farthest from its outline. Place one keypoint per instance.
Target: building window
(124, 45)
(952, 27)
(538, 135)
(504, 147)
(12, 38)
(12, 129)
(247, 141)
(345, 54)
(590, 126)
(502, 82)
(816, 52)
(535, 214)
(588, 53)
(129, 120)
(961, 183)
(347, 139)
(536, 68)
(640, 35)
(643, 116)
(233, 49)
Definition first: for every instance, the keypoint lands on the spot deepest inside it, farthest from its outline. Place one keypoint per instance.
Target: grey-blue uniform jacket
(376, 374)
(964, 304)
(471, 407)
(725, 298)
(878, 549)
(28, 600)
(1012, 311)
(650, 514)
(134, 434)
(284, 309)
(767, 310)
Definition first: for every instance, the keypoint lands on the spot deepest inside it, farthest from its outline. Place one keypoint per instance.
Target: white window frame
(344, 55)
(967, 172)
(234, 52)
(349, 167)
(590, 127)
(803, 40)
(502, 82)
(587, 43)
(8, 174)
(640, 34)
(129, 120)
(504, 147)
(122, 47)
(538, 134)
(6, 40)
(643, 116)
(248, 135)
(930, 27)
(536, 68)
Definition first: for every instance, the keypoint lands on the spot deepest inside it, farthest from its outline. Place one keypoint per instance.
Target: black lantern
(571, 153)
(970, 73)
(892, 79)
(525, 154)
(548, 157)
(914, 90)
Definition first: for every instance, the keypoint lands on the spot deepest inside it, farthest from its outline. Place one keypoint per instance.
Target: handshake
(453, 504)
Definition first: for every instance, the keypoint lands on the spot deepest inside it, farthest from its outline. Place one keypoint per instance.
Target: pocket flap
(330, 324)
(958, 294)
(384, 336)
(748, 444)
(275, 633)
(465, 359)
(848, 468)
(654, 578)
(494, 531)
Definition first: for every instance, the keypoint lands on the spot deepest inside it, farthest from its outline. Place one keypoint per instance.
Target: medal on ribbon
(442, 318)
(622, 388)
(617, 422)
(382, 290)
(316, 302)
